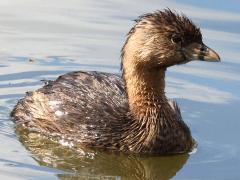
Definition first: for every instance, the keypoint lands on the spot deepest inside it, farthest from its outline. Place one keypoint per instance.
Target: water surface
(42, 39)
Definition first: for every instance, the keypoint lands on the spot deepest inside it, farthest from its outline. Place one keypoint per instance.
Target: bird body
(129, 113)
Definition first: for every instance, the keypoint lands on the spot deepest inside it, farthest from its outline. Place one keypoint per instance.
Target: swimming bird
(130, 113)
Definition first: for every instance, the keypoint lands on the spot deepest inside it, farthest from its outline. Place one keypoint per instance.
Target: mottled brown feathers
(165, 23)
(167, 20)
(92, 108)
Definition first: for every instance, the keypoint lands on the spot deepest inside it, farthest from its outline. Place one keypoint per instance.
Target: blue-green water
(62, 36)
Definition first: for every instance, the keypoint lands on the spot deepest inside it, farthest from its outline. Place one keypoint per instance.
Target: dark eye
(176, 39)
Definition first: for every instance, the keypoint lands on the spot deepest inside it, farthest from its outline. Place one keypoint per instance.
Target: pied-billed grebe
(96, 109)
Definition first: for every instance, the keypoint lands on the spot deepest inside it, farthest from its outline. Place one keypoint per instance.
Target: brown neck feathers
(145, 89)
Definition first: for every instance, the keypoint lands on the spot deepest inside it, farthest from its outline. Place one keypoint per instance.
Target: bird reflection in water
(95, 164)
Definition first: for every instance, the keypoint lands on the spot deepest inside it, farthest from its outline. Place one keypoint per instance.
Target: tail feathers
(34, 112)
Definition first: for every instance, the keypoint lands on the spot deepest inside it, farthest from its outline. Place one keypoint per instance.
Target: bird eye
(176, 39)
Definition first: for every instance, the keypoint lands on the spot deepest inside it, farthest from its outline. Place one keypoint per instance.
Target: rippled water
(42, 39)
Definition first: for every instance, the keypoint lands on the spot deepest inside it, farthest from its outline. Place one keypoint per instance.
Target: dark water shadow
(27, 74)
(15, 85)
(88, 163)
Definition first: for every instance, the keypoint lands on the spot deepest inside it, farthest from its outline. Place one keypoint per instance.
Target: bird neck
(145, 89)
(154, 122)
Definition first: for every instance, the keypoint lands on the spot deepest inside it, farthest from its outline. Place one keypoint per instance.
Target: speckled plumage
(129, 114)
(91, 109)
(74, 106)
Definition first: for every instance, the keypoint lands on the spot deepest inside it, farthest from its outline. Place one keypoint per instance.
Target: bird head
(163, 39)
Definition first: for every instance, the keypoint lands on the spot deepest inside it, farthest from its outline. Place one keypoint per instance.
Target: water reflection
(88, 35)
(86, 163)
(197, 92)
